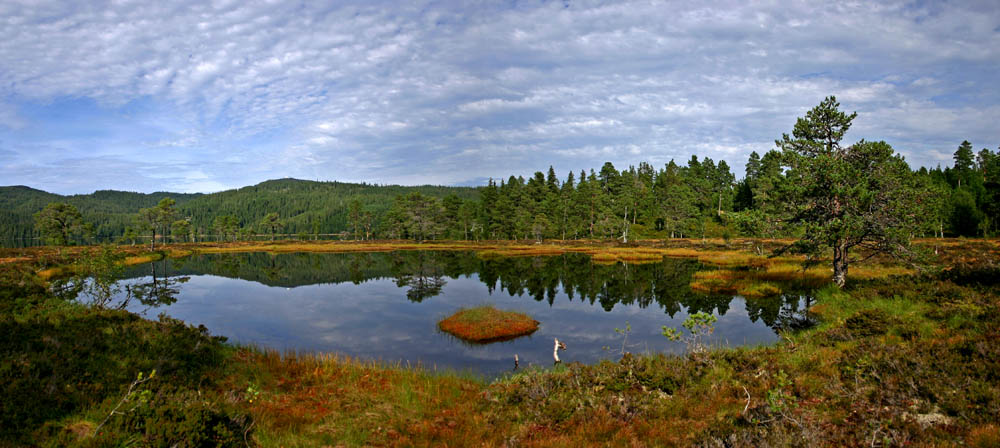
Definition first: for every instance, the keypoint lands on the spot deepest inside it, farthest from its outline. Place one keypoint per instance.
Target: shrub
(869, 322)
(184, 418)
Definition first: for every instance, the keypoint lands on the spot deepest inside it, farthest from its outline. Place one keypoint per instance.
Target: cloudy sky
(199, 96)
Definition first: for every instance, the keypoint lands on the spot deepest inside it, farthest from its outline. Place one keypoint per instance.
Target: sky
(198, 96)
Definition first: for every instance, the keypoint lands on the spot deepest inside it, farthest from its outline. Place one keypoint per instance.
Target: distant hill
(298, 202)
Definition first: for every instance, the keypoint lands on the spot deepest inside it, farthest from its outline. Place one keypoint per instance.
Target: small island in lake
(484, 324)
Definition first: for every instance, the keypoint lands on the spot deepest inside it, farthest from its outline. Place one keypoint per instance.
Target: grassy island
(484, 324)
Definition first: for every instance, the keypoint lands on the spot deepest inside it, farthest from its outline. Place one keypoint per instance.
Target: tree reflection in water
(420, 272)
(151, 291)
(664, 284)
(157, 291)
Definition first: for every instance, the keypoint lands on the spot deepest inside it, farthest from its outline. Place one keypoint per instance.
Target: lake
(385, 306)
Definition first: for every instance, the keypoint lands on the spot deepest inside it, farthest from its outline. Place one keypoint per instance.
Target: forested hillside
(696, 199)
(107, 211)
(301, 205)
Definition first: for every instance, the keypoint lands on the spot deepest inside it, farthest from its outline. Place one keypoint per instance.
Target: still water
(385, 306)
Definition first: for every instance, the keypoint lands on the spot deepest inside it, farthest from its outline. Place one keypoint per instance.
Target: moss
(487, 324)
(869, 322)
(758, 290)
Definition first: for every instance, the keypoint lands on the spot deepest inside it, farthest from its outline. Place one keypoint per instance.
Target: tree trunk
(840, 265)
(625, 227)
(152, 241)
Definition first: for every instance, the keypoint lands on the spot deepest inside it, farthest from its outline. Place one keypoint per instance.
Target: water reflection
(420, 273)
(386, 305)
(156, 291)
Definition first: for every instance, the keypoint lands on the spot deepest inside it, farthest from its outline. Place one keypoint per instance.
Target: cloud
(447, 92)
(9, 117)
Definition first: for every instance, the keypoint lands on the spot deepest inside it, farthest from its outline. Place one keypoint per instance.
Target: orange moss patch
(484, 324)
(760, 282)
(759, 290)
(46, 274)
(820, 310)
(140, 259)
(626, 254)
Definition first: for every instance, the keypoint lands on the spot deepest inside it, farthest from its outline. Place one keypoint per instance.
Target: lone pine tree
(860, 196)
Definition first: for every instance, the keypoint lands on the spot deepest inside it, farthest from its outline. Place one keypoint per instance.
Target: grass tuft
(484, 324)
(758, 290)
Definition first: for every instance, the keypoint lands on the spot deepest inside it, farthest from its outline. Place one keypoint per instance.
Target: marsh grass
(766, 279)
(485, 323)
(313, 399)
(890, 350)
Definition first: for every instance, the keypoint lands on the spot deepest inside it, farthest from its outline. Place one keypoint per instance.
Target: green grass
(887, 351)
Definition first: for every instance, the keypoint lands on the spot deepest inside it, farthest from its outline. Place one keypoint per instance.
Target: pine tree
(59, 223)
(863, 195)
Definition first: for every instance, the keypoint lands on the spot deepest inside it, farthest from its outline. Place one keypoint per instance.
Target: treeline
(674, 201)
(696, 199)
(693, 200)
(302, 207)
(968, 193)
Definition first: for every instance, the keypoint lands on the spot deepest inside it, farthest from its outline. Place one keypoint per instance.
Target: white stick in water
(555, 350)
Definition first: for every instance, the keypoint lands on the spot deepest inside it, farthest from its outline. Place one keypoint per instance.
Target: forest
(304, 206)
(699, 198)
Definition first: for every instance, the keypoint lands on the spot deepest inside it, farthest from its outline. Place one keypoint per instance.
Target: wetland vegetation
(485, 324)
(803, 313)
(894, 357)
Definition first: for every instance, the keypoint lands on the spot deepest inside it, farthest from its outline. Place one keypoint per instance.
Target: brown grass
(81, 429)
(309, 400)
(984, 436)
(485, 324)
(48, 274)
(760, 282)
(317, 400)
(140, 259)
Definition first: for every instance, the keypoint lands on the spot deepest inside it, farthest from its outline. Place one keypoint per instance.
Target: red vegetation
(487, 324)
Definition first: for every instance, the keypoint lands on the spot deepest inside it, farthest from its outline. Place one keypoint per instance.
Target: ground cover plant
(898, 358)
(485, 323)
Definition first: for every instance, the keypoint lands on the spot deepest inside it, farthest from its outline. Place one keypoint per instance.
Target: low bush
(869, 322)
